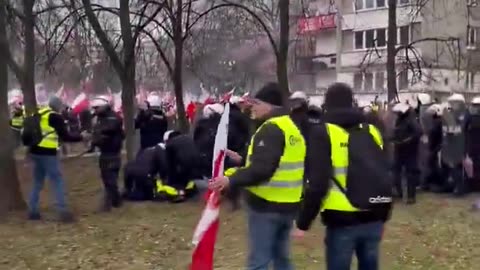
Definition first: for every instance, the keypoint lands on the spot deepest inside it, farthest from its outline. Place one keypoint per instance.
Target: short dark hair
(338, 96)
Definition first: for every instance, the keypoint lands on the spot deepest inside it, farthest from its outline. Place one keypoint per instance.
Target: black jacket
(268, 146)
(152, 124)
(182, 161)
(57, 122)
(108, 133)
(318, 172)
(238, 134)
(435, 135)
(152, 161)
(204, 138)
(406, 135)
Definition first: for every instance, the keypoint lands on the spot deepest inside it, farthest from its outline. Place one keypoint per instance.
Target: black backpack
(32, 132)
(369, 182)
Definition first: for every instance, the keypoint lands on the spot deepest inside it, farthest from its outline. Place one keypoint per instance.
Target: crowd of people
(289, 159)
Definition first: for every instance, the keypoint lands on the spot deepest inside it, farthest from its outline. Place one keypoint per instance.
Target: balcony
(315, 24)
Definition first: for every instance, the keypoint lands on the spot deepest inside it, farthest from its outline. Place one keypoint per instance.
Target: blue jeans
(43, 167)
(269, 240)
(362, 239)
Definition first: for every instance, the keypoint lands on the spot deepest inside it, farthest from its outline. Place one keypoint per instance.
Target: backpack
(369, 182)
(32, 132)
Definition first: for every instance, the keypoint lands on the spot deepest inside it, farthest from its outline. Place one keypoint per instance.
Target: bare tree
(10, 193)
(391, 43)
(124, 63)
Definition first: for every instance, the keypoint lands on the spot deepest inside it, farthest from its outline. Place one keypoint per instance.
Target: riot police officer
(108, 137)
(406, 139)
(453, 145)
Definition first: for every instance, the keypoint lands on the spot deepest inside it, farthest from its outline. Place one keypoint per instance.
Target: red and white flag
(205, 234)
(80, 103)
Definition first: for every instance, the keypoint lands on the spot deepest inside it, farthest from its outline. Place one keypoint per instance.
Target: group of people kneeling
(164, 172)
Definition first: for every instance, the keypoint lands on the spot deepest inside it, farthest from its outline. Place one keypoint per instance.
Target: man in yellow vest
(349, 229)
(45, 160)
(273, 179)
(16, 122)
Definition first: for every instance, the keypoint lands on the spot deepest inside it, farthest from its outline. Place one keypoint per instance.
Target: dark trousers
(454, 179)
(475, 186)
(433, 176)
(138, 187)
(109, 171)
(412, 173)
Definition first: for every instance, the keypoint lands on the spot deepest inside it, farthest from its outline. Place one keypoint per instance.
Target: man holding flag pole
(273, 179)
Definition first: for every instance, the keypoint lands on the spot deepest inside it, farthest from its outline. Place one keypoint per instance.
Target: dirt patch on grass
(437, 233)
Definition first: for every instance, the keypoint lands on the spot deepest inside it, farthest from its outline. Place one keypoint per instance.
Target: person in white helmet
(151, 122)
(473, 143)
(108, 136)
(406, 139)
(453, 145)
(433, 116)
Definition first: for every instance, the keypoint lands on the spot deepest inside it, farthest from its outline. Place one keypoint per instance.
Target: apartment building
(441, 37)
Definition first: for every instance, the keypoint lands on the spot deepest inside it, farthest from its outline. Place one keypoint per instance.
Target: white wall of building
(325, 78)
(326, 42)
(377, 18)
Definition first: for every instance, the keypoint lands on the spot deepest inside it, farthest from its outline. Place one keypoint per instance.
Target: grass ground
(437, 233)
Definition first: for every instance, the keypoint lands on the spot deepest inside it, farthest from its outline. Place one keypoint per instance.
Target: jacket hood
(346, 118)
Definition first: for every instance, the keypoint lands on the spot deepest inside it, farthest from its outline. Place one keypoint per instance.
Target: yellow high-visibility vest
(17, 122)
(336, 199)
(50, 137)
(286, 184)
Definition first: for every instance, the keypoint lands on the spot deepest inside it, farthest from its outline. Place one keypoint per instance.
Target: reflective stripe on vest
(336, 199)
(50, 137)
(286, 184)
(169, 190)
(17, 122)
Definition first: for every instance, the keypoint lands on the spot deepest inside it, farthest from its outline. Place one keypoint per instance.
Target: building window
(403, 35)
(359, 40)
(368, 4)
(403, 2)
(357, 81)
(471, 80)
(403, 80)
(371, 39)
(472, 3)
(368, 81)
(381, 37)
(471, 37)
(379, 81)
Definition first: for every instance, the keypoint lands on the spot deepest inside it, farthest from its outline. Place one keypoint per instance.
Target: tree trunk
(28, 80)
(391, 50)
(178, 66)
(128, 106)
(10, 194)
(282, 54)
(128, 82)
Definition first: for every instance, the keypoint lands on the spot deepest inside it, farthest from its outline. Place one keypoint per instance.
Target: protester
(344, 166)
(108, 137)
(16, 121)
(273, 181)
(298, 105)
(45, 160)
